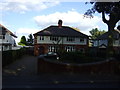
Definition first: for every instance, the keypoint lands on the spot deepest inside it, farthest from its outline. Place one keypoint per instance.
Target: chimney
(60, 23)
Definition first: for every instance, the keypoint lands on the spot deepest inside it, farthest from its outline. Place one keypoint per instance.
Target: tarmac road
(23, 74)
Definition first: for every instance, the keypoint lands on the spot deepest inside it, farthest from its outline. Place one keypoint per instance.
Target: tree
(30, 39)
(112, 9)
(95, 33)
(23, 41)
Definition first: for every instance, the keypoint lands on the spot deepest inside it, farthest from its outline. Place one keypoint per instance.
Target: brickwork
(46, 47)
(106, 67)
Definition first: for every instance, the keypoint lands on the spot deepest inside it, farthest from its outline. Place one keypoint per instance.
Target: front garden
(91, 55)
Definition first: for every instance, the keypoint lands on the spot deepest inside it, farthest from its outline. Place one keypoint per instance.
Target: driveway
(26, 66)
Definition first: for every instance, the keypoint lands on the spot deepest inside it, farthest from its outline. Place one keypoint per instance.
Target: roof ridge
(8, 31)
(55, 30)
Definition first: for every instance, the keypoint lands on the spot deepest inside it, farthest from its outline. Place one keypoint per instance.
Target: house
(7, 40)
(59, 37)
(102, 41)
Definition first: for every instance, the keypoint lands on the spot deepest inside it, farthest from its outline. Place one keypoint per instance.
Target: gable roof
(60, 31)
(4, 30)
(105, 35)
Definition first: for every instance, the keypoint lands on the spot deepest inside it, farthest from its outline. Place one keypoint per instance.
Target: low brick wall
(49, 66)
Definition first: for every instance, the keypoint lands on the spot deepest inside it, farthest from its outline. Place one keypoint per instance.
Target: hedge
(13, 55)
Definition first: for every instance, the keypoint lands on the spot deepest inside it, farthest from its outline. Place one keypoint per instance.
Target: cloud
(25, 32)
(71, 18)
(23, 6)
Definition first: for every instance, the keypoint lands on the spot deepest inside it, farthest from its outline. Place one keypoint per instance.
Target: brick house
(59, 37)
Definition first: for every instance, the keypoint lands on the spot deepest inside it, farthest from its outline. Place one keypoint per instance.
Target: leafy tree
(95, 33)
(112, 9)
(30, 39)
(23, 41)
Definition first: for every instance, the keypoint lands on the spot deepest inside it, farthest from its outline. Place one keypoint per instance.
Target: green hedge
(11, 56)
(78, 57)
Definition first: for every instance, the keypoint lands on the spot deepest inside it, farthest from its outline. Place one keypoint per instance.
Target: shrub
(21, 44)
(11, 55)
(78, 57)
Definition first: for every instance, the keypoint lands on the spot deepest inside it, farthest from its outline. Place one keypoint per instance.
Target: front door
(41, 50)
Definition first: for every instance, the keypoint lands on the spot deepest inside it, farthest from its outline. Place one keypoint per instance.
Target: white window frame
(53, 48)
(41, 38)
(70, 39)
(70, 48)
(54, 38)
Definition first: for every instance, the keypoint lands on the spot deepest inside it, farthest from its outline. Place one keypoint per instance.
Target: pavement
(23, 74)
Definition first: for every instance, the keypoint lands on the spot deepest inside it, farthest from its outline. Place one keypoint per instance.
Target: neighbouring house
(102, 40)
(59, 37)
(7, 40)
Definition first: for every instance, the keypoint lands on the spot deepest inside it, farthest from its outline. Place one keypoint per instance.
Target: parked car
(51, 55)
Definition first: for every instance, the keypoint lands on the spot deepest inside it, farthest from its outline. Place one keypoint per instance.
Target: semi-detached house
(59, 37)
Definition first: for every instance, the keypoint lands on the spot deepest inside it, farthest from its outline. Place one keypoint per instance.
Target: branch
(103, 18)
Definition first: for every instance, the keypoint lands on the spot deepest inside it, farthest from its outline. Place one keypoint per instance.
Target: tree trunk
(110, 49)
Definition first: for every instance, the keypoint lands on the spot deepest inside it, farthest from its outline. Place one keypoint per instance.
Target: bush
(11, 56)
(78, 57)
(21, 44)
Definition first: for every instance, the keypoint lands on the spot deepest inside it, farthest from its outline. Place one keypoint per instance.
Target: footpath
(23, 74)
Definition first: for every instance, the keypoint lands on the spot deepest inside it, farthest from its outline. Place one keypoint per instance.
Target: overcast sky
(24, 17)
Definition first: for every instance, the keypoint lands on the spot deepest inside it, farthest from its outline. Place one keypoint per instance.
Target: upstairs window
(70, 39)
(41, 38)
(82, 40)
(2, 36)
(53, 38)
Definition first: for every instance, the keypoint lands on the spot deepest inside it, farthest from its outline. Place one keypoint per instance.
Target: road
(23, 74)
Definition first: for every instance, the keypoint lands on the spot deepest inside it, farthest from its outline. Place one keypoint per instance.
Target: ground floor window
(53, 49)
(70, 48)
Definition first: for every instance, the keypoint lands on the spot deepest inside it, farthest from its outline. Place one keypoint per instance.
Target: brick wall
(109, 67)
(46, 46)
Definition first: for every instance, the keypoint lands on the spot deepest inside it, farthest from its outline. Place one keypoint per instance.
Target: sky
(24, 17)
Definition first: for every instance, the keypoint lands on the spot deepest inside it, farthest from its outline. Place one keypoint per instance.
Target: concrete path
(23, 74)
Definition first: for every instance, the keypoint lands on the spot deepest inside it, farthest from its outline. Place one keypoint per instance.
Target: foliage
(112, 9)
(95, 33)
(30, 40)
(78, 57)
(10, 56)
(23, 41)
(21, 44)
